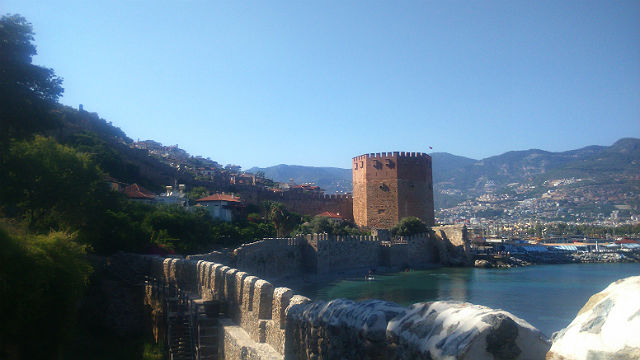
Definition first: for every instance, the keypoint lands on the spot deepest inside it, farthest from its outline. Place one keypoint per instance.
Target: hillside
(113, 150)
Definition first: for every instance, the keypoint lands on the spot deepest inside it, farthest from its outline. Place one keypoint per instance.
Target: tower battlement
(398, 154)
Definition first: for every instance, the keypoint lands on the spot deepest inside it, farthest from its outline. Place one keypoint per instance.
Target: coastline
(548, 258)
(546, 295)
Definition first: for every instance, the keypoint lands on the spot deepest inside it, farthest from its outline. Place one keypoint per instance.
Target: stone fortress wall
(388, 187)
(319, 254)
(262, 321)
(303, 203)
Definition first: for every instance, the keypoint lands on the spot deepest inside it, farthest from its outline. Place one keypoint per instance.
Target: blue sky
(316, 83)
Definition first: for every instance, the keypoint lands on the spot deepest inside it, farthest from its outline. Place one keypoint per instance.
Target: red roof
(306, 187)
(135, 191)
(331, 215)
(626, 241)
(219, 197)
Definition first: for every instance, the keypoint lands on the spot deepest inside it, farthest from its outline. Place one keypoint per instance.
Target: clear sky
(317, 82)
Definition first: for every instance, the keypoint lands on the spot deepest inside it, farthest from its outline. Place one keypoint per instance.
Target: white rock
(607, 326)
(455, 330)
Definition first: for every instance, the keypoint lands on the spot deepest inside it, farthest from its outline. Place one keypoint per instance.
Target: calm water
(547, 296)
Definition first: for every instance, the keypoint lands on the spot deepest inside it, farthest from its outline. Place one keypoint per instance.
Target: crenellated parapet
(263, 321)
(395, 154)
(323, 253)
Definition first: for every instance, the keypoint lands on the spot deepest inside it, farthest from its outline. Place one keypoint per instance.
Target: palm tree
(278, 215)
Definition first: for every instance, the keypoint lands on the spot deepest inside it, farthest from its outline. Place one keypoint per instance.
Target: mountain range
(458, 178)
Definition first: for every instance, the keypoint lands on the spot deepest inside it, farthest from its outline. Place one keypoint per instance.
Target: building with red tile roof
(220, 205)
(332, 215)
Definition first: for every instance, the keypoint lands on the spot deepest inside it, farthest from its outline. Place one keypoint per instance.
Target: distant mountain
(457, 178)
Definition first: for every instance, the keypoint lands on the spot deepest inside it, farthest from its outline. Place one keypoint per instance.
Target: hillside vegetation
(56, 206)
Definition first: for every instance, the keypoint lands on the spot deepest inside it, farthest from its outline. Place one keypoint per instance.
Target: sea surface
(547, 296)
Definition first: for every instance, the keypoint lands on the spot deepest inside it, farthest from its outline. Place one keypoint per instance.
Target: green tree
(409, 226)
(323, 224)
(283, 220)
(42, 279)
(27, 92)
(51, 186)
(179, 229)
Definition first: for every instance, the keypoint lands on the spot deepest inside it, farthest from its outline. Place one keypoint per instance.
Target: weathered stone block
(218, 286)
(340, 329)
(208, 274)
(275, 330)
(200, 273)
(247, 293)
(263, 299)
(449, 329)
(230, 287)
(281, 298)
(606, 327)
(236, 344)
(240, 276)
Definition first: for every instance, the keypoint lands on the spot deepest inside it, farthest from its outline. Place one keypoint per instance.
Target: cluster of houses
(221, 205)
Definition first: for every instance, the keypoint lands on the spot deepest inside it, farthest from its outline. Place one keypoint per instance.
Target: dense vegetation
(42, 279)
(56, 207)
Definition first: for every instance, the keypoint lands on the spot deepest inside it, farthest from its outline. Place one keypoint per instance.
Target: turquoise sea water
(547, 296)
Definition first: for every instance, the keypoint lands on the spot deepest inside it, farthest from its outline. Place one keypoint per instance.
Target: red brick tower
(388, 187)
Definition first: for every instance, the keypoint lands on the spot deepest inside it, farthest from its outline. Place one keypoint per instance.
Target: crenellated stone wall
(263, 321)
(271, 258)
(302, 202)
(341, 253)
(323, 254)
(254, 307)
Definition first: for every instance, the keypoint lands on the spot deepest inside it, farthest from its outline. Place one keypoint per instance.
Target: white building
(173, 196)
(219, 205)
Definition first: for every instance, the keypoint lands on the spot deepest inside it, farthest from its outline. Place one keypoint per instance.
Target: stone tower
(388, 187)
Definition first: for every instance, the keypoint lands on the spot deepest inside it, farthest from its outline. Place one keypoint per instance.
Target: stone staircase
(179, 329)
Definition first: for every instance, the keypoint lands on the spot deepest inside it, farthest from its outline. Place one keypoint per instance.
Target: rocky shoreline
(532, 258)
